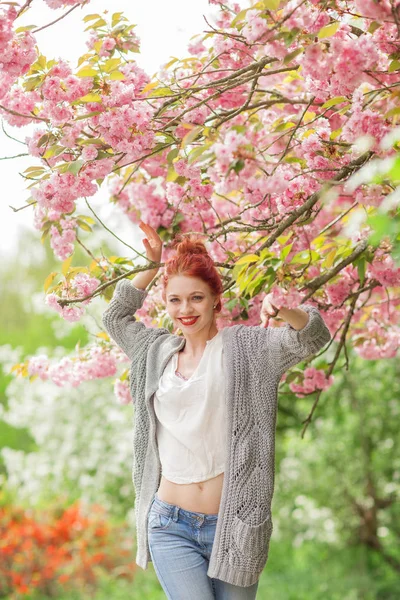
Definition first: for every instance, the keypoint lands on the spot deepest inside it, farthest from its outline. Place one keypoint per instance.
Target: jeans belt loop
(176, 513)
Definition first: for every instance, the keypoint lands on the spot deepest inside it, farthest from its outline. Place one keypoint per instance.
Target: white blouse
(191, 418)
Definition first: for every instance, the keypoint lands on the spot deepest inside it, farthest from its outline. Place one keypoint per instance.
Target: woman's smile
(188, 320)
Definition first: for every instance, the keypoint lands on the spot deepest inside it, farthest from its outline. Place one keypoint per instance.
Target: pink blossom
(338, 292)
(374, 10)
(365, 122)
(61, 373)
(17, 50)
(21, 102)
(60, 3)
(314, 379)
(108, 44)
(39, 365)
(122, 392)
(33, 148)
(84, 284)
(62, 243)
(384, 270)
(70, 312)
(196, 47)
(255, 26)
(89, 152)
(342, 68)
(385, 345)
(98, 169)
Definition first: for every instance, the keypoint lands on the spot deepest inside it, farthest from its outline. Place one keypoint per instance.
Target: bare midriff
(204, 496)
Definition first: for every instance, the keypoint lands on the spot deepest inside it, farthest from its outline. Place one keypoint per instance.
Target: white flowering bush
(83, 443)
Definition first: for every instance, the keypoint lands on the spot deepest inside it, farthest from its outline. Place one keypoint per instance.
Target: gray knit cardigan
(255, 359)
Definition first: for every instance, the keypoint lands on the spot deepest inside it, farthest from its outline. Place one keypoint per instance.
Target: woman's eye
(198, 297)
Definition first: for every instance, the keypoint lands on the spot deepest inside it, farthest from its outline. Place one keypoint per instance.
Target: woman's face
(190, 297)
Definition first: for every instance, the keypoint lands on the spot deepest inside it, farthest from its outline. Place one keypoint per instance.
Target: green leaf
(231, 303)
(333, 101)
(90, 18)
(330, 257)
(87, 219)
(66, 265)
(87, 72)
(284, 126)
(88, 115)
(285, 251)
(99, 23)
(374, 26)
(392, 112)
(394, 172)
(328, 30)
(195, 153)
(117, 75)
(116, 18)
(249, 258)
(335, 134)
(382, 225)
(54, 151)
(84, 225)
(239, 17)
(271, 4)
(305, 256)
(25, 28)
(75, 166)
(111, 64)
(97, 141)
(30, 170)
(32, 82)
(289, 57)
(191, 136)
(172, 154)
(44, 139)
(361, 264)
(394, 66)
(89, 98)
(293, 376)
(49, 280)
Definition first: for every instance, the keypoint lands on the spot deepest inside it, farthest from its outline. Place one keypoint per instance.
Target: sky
(164, 29)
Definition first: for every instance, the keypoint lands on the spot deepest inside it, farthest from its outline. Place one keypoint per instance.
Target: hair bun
(188, 245)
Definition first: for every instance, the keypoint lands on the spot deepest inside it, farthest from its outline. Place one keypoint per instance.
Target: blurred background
(66, 499)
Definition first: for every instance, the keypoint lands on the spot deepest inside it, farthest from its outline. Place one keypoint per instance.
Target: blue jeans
(180, 543)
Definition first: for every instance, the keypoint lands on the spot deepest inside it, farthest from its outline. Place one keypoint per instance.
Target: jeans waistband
(176, 512)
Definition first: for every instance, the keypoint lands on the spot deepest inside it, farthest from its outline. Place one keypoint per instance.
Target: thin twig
(109, 230)
(16, 156)
(56, 20)
(22, 207)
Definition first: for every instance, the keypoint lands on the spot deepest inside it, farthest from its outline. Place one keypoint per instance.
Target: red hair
(192, 260)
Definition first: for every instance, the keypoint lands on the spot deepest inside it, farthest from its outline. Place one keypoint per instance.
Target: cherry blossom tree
(276, 139)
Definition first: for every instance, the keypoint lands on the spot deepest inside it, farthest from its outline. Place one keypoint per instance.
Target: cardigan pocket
(252, 541)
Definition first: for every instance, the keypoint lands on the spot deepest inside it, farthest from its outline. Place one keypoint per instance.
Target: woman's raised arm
(118, 318)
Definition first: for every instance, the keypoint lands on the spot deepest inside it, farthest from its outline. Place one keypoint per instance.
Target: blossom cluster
(93, 363)
(80, 286)
(314, 379)
(17, 50)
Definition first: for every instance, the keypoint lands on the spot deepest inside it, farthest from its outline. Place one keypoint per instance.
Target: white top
(191, 420)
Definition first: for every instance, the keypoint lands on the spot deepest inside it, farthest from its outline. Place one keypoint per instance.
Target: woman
(204, 424)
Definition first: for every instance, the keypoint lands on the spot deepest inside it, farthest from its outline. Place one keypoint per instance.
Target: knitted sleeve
(286, 346)
(119, 322)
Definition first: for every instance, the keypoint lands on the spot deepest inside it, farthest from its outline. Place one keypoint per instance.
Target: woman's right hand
(152, 243)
